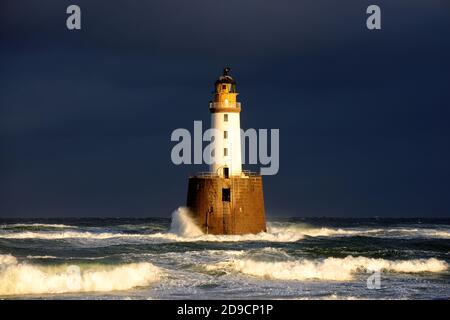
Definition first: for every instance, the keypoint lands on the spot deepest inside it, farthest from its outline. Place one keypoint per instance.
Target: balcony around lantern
(220, 105)
(208, 174)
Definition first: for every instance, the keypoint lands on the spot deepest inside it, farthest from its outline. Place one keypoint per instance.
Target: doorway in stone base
(226, 194)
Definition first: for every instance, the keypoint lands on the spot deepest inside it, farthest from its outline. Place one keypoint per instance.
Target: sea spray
(24, 278)
(183, 224)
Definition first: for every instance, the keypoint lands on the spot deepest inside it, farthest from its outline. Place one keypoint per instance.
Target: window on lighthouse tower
(225, 134)
(225, 152)
(225, 117)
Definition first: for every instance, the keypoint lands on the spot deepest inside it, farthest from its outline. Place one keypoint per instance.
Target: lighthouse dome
(226, 81)
(225, 77)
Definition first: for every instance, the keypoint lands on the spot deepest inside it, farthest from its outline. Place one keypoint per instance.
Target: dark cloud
(85, 117)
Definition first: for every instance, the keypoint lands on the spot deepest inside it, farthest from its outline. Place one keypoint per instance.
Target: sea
(170, 258)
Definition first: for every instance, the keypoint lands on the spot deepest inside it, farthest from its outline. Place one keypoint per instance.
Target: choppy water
(296, 259)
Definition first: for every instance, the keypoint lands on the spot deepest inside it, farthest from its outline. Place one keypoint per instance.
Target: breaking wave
(184, 229)
(37, 225)
(24, 278)
(337, 269)
(66, 235)
(307, 230)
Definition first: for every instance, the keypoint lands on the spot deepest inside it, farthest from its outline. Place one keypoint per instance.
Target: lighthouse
(226, 199)
(225, 119)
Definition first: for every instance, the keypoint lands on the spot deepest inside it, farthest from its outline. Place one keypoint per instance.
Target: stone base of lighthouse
(227, 206)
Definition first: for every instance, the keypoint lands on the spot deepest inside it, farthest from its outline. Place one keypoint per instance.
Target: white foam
(338, 269)
(24, 278)
(422, 232)
(7, 259)
(263, 236)
(86, 235)
(55, 235)
(307, 230)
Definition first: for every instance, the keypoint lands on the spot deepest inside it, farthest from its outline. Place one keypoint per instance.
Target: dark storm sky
(86, 116)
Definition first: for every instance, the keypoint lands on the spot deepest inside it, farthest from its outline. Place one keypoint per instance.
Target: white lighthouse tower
(225, 200)
(225, 119)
